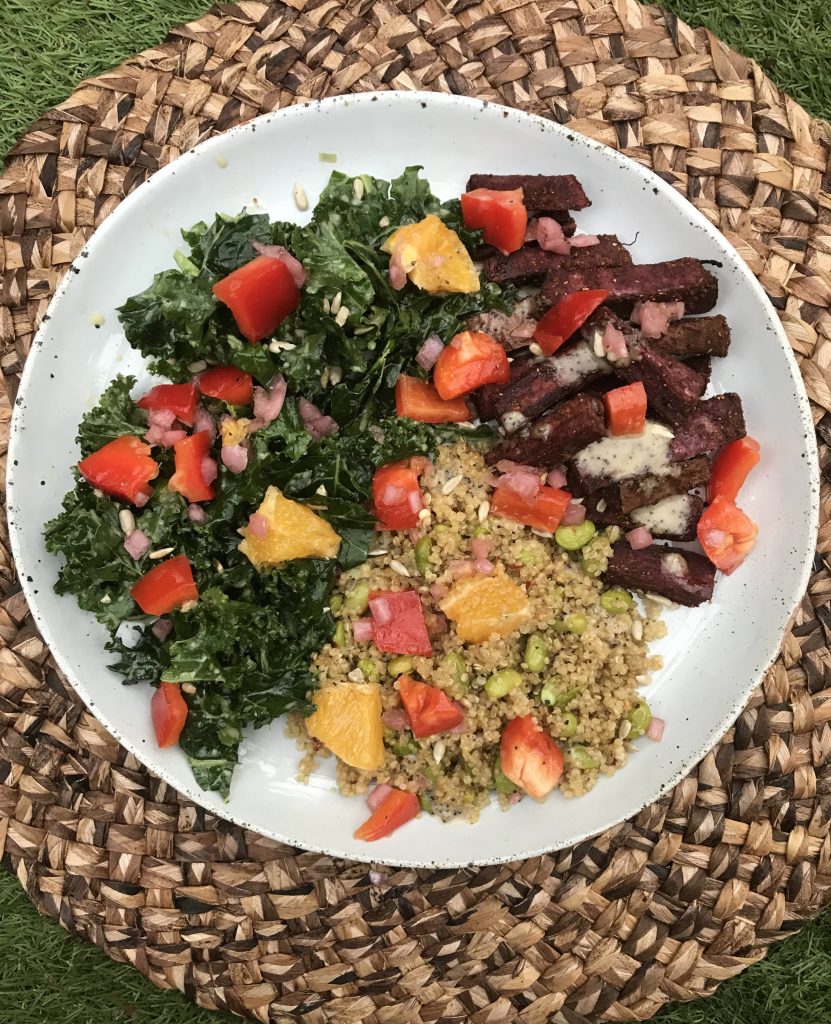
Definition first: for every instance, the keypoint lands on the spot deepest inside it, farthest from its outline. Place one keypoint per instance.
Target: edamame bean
(556, 694)
(339, 639)
(356, 601)
(425, 803)
(369, 669)
(575, 623)
(592, 566)
(569, 726)
(616, 601)
(422, 554)
(229, 735)
(572, 538)
(400, 666)
(404, 747)
(641, 718)
(501, 782)
(581, 758)
(536, 652)
(335, 603)
(455, 665)
(502, 682)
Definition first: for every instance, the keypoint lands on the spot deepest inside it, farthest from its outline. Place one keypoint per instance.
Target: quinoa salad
(420, 477)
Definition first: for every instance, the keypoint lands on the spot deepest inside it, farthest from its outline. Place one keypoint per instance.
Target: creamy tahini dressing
(669, 517)
(576, 363)
(619, 458)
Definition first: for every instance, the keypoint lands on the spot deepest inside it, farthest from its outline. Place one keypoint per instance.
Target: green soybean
(425, 803)
(556, 694)
(572, 538)
(569, 725)
(616, 601)
(336, 603)
(502, 682)
(369, 669)
(456, 667)
(422, 554)
(536, 652)
(339, 639)
(592, 566)
(404, 747)
(229, 735)
(501, 782)
(356, 601)
(581, 758)
(576, 623)
(400, 666)
(641, 718)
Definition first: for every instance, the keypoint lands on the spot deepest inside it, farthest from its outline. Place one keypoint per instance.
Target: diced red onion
(439, 591)
(141, 499)
(209, 470)
(655, 317)
(639, 538)
(166, 438)
(574, 514)
(506, 466)
(396, 718)
(362, 630)
(480, 547)
(137, 544)
(161, 629)
(269, 404)
(429, 352)
(526, 485)
(583, 241)
(196, 513)
(378, 795)
(531, 230)
(614, 342)
(397, 273)
(381, 611)
(459, 568)
(318, 425)
(258, 525)
(483, 567)
(414, 501)
(514, 799)
(524, 330)
(556, 478)
(204, 422)
(278, 252)
(415, 535)
(163, 418)
(550, 236)
(421, 782)
(234, 457)
(656, 729)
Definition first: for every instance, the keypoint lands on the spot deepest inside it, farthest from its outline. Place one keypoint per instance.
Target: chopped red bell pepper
(397, 497)
(428, 708)
(169, 713)
(260, 295)
(167, 586)
(562, 320)
(731, 468)
(626, 409)
(180, 399)
(229, 383)
(189, 455)
(398, 625)
(529, 757)
(123, 469)
(416, 399)
(726, 534)
(501, 215)
(469, 361)
(542, 512)
(397, 808)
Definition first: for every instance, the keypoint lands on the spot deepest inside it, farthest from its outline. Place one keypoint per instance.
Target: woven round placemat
(663, 907)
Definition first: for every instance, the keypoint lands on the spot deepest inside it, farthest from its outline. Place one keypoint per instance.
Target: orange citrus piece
(294, 531)
(347, 720)
(433, 257)
(483, 605)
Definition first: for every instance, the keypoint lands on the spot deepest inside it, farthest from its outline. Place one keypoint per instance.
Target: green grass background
(47, 977)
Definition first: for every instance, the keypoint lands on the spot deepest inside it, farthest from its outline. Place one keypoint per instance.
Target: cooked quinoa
(591, 676)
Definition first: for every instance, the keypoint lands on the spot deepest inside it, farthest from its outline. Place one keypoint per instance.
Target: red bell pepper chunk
(562, 320)
(626, 409)
(260, 295)
(726, 534)
(731, 468)
(396, 809)
(529, 757)
(428, 708)
(397, 497)
(398, 625)
(122, 468)
(169, 713)
(180, 399)
(501, 215)
(189, 455)
(542, 512)
(416, 399)
(232, 385)
(167, 586)
(469, 361)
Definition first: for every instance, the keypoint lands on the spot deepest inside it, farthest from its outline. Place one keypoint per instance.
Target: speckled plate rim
(650, 179)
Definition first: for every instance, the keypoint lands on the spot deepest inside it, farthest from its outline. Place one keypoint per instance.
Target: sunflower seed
(326, 306)
(466, 425)
(188, 688)
(660, 599)
(637, 629)
(484, 509)
(599, 348)
(343, 316)
(335, 306)
(451, 484)
(324, 377)
(542, 533)
(438, 751)
(624, 729)
(602, 505)
(160, 553)
(198, 366)
(355, 676)
(377, 552)
(301, 200)
(358, 188)
(127, 522)
(281, 346)
(399, 567)
(188, 606)
(321, 491)
(106, 599)
(534, 349)
(220, 568)
(384, 222)
(335, 374)
(424, 515)
(98, 493)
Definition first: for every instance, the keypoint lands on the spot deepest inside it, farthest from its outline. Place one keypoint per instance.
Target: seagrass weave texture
(664, 907)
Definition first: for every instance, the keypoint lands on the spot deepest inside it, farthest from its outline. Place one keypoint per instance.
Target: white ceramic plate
(714, 655)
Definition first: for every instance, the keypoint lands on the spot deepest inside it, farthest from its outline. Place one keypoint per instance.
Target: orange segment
(433, 257)
(483, 605)
(294, 531)
(347, 720)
